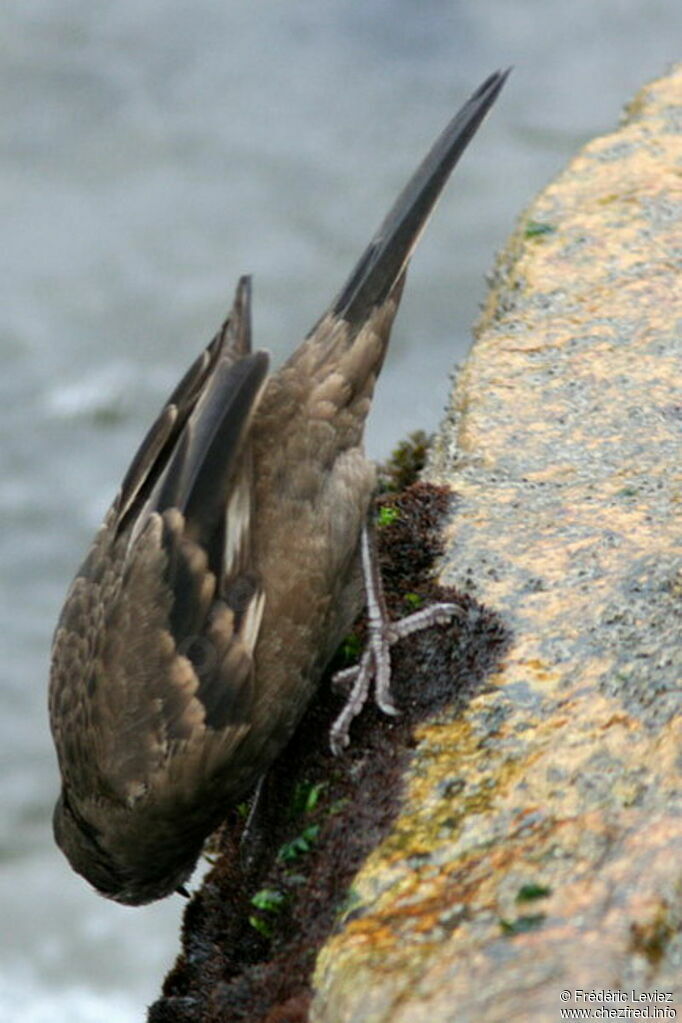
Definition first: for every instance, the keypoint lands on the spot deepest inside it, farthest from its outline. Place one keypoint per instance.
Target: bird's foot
(253, 838)
(375, 664)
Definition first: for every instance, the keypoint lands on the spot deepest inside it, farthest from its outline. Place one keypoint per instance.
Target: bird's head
(124, 871)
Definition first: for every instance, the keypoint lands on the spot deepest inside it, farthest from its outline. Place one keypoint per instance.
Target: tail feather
(389, 251)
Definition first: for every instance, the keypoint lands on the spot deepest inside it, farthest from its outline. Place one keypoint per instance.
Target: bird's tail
(333, 372)
(387, 255)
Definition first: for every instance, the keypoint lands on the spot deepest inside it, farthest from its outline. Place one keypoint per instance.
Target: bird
(227, 571)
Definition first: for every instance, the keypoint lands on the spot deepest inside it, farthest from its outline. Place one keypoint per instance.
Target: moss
(242, 961)
(404, 464)
(651, 938)
(531, 892)
(536, 228)
(522, 924)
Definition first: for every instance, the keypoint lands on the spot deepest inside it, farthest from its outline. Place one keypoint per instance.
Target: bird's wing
(207, 374)
(154, 646)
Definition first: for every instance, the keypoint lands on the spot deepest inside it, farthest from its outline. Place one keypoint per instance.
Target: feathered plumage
(226, 571)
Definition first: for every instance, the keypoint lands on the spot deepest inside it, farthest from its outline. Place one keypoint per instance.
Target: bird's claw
(375, 665)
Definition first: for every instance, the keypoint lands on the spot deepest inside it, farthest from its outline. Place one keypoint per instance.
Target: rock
(539, 848)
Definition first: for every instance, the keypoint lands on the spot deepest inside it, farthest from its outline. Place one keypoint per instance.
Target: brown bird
(227, 571)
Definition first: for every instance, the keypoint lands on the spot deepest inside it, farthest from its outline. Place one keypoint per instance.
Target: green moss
(530, 892)
(405, 463)
(386, 516)
(350, 650)
(261, 925)
(306, 796)
(536, 228)
(300, 845)
(522, 924)
(269, 899)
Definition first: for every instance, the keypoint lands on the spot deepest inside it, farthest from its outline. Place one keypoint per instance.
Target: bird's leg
(382, 633)
(253, 835)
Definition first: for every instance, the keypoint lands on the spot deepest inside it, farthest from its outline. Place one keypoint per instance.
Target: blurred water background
(151, 151)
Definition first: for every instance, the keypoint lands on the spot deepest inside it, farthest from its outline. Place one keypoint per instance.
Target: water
(151, 152)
